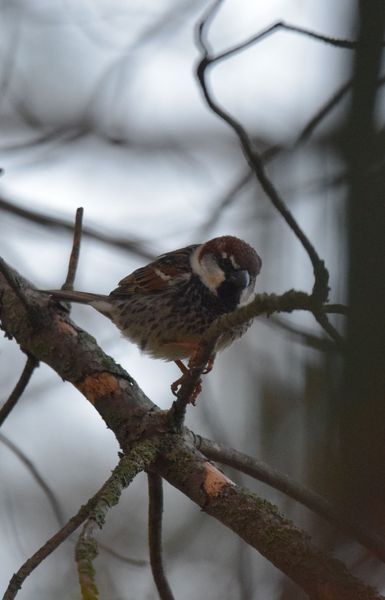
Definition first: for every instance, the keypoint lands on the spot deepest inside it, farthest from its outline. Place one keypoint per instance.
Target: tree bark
(46, 332)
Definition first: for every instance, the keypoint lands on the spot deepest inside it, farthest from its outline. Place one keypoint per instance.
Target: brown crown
(244, 255)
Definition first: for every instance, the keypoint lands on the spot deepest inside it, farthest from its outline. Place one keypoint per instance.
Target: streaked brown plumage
(166, 306)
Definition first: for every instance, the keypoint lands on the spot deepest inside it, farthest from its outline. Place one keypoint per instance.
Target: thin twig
(74, 258)
(322, 318)
(326, 108)
(19, 388)
(155, 512)
(306, 337)
(336, 309)
(40, 218)
(54, 502)
(96, 506)
(139, 458)
(261, 304)
(281, 25)
(136, 562)
(263, 472)
(269, 154)
(55, 505)
(323, 112)
(321, 275)
(226, 201)
(34, 561)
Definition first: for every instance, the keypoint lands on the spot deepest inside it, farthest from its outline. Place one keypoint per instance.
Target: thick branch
(262, 472)
(131, 415)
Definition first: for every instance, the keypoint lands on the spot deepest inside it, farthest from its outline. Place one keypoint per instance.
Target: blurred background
(100, 108)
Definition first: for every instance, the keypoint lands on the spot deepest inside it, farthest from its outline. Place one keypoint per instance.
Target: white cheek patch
(208, 270)
(247, 296)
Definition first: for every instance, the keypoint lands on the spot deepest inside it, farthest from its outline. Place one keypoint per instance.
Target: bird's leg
(185, 375)
(209, 366)
(180, 364)
(182, 379)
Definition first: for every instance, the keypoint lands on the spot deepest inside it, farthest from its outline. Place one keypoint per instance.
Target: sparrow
(166, 306)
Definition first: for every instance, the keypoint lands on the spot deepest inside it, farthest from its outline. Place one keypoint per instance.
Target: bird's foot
(185, 376)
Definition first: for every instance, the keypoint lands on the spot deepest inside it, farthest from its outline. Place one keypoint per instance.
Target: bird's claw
(177, 384)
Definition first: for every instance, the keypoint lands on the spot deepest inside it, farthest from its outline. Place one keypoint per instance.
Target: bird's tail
(71, 296)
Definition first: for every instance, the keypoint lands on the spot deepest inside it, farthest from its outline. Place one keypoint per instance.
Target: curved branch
(54, 542)
(53, 501)
(155, 511)
(19, 388)
(281, 25)
(321, 275)
(263, 472)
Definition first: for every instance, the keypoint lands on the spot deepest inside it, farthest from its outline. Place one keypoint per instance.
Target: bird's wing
(166, 270)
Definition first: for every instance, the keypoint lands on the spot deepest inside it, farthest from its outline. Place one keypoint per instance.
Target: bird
(166, 306)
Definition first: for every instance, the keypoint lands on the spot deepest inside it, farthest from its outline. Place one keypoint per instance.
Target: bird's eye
(237, 276)
(225, 264)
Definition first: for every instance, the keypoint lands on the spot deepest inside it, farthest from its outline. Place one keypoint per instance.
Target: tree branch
(19, 388)
(36, 559)
(53, 501)
(263, 472)
(74, 355)
(74, 258)
(34, 216)
(138, 459)
(321, 275)
(155, 512)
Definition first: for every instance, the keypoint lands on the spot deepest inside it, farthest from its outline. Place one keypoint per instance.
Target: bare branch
(321, 275)
(132, 417)
(34, 216)
(261, 304)
(259, 470)
(155, 511)
(18, 390)
(138, 459)
(322, 318)
(74, 258)
(47, 549)
(323, 112)
(336, 309)
(136, 562)
(302, 335)
(260, 524)
(55, 505)
(281, 25)
(226, 201)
